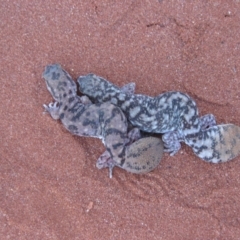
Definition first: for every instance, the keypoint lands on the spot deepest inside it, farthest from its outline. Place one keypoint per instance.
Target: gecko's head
(92, 85)
(58, 81)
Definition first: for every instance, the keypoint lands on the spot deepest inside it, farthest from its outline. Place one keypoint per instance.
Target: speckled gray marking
(174, 114)
(103, 120)
(148, 151)
(220, 143)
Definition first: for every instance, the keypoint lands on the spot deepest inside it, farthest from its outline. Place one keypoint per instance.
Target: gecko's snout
(50, 71)
(81, 81)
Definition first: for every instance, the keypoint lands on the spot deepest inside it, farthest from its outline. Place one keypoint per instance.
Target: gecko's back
(167, 112)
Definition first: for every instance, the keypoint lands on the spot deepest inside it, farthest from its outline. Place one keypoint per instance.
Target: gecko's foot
(207, 121)
(105, 161)
(52, 109)
(171, 142)
(129, 88)
(85, 100)
(133, 135)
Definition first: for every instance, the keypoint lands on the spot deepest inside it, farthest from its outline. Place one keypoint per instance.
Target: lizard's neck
(68, 99)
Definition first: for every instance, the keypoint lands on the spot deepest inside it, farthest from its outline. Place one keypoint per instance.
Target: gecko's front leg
(52, 109)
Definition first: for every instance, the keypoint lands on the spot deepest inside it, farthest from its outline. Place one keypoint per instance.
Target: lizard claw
(52, 109)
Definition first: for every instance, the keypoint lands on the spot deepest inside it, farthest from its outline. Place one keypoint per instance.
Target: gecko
(102, 120)
(173, 114)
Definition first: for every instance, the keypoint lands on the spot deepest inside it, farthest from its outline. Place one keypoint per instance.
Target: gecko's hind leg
(172, 142)
(106, 161)
(207, 120)
(129, 88)
(133, 135)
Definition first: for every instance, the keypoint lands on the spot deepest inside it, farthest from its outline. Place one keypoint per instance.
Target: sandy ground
(50, 187)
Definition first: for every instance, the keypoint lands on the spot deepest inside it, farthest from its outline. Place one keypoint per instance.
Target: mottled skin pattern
(217, 144)
(174, 114)
(101, 120)
(144, 155)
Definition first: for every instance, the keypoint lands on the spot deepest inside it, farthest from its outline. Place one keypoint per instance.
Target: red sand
(50, 187)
